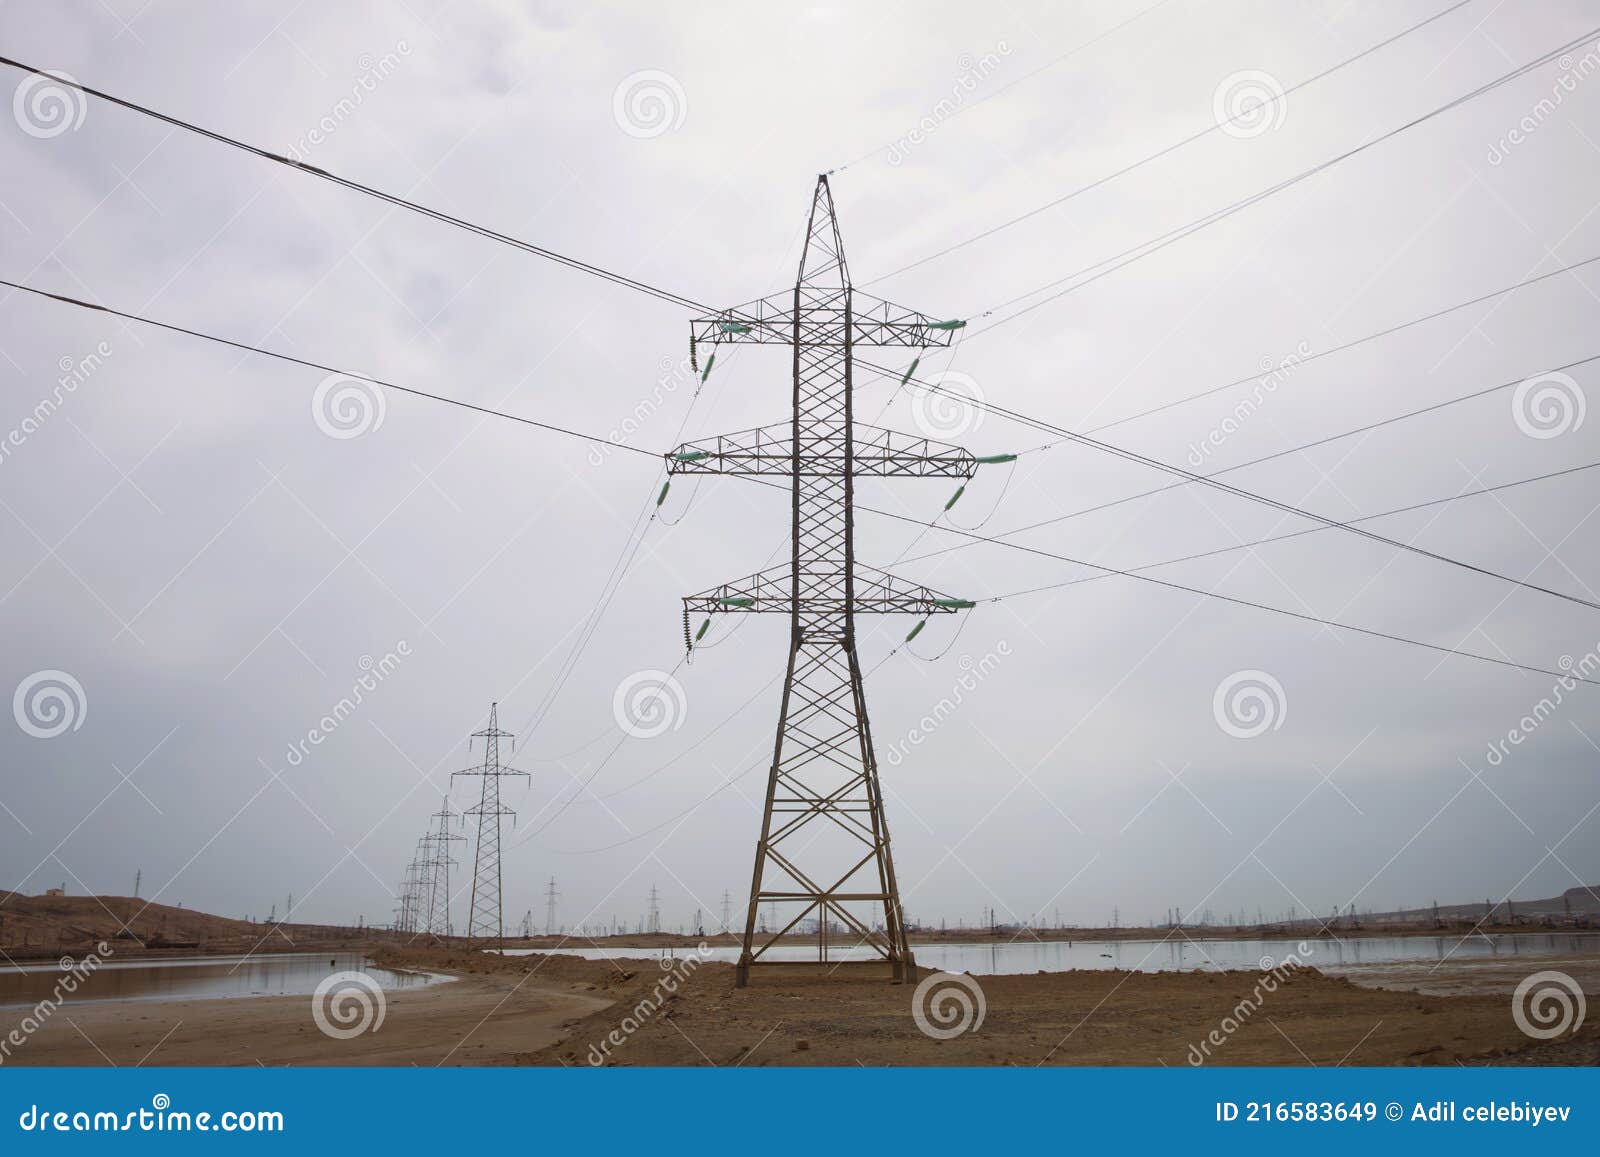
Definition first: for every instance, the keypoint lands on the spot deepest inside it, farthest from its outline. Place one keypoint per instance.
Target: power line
(283, 357)
(682, 301)
(1215, 126)
(1391, 330)
(1239, 492)
(1480, 491)
(1154, 245)
(1324, 441)
(1134, 574)
(1065, 56)
(357, 186)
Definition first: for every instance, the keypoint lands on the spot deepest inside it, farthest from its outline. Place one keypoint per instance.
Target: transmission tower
(439, 863)
(485, 920)
(727, 911)
(550, 895)
(654, 922)
(823, 765)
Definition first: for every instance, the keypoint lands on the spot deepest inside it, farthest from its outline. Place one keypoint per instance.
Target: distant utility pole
(485, 920)
(823, 767)
(138, 879)
(550, 895)
(440, 863)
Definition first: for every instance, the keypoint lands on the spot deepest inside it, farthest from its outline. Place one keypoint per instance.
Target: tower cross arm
(876, 593)
(873, 322)
(766, 450)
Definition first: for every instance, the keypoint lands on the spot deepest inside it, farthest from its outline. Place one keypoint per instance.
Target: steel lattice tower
(440, 863)
(824, 844)
(485, 920)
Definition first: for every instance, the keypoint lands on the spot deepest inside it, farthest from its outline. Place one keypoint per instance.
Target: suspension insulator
(954, 323)
(991, 459)
(956, 497)
(911, 369)
(916, 630)
(706, 373)
(704, 627)
(662, 497)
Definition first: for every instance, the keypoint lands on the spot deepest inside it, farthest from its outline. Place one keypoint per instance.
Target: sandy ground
(565, 1011)
(477, 1019)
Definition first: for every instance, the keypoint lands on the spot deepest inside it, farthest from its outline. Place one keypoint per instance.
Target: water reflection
(197, 978)
(1177, 953)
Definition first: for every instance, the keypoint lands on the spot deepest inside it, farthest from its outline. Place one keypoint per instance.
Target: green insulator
(662, 497)
(737, 601)
(955, 604)
(701, 633)
(991, 459)
(916, 630)
(911, 369)
(693, 455)
(706, 373)
(954, 323)
(732, 327)
(956, 497)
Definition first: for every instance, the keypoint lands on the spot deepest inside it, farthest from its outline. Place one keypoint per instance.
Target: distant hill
(34, 925)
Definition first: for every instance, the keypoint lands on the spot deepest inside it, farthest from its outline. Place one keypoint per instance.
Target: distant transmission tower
(727, 911)
(654, 924)
(550, 895)
(823, 765)
(485, 920)
(440, 862)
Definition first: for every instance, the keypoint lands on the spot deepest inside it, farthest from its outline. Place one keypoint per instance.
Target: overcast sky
(186, 541)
